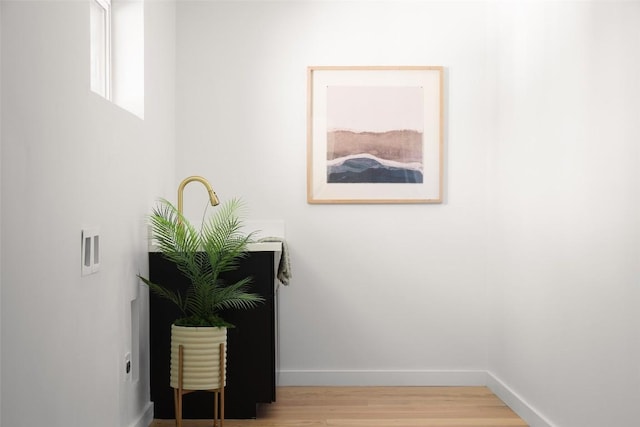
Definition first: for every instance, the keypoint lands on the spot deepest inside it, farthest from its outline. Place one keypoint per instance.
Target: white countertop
(251, 247)
(265, 247)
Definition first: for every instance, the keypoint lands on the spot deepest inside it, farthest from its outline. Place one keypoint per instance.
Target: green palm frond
(202, 256)
(223, 240)
(168, 294)
(235, 296)
(176, 238)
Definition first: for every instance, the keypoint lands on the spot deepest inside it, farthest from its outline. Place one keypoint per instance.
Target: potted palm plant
(202, 255)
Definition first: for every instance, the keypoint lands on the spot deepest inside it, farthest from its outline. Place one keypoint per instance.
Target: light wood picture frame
(374, 134)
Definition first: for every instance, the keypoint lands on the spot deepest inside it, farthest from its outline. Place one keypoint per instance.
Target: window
(117, 52)
(100, 23)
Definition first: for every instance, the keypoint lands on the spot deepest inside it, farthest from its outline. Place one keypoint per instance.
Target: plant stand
(218, 393)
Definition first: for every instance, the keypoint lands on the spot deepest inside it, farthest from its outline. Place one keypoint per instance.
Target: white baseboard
(524, 410)
(146, 418)
(382, 378)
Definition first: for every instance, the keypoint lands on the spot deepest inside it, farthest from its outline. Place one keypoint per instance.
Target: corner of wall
(146, 418)
(514, 401)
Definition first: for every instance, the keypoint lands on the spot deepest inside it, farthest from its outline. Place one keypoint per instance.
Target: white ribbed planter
(201, 356)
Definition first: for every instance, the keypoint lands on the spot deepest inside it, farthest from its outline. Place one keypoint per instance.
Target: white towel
(284, 268)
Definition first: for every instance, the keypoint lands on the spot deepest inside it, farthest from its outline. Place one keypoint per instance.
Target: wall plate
(90, 251)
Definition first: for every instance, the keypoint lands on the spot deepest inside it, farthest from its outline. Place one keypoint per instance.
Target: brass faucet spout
(212, 194)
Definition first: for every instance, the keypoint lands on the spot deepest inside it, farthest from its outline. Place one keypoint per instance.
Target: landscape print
(375, 134)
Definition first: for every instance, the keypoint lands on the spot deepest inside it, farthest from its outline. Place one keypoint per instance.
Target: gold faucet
(212, 194)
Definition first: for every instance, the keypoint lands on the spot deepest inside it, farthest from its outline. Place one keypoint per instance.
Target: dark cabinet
(251, 345)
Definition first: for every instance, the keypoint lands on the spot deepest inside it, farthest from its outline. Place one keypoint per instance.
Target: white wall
(537, 241)
(380, 294)
(70, 160)
(528, 270)
(565, 185)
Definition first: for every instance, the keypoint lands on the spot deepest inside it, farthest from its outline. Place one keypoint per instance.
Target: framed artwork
(374, 134)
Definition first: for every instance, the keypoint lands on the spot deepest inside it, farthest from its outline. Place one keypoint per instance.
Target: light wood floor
(376, 407)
